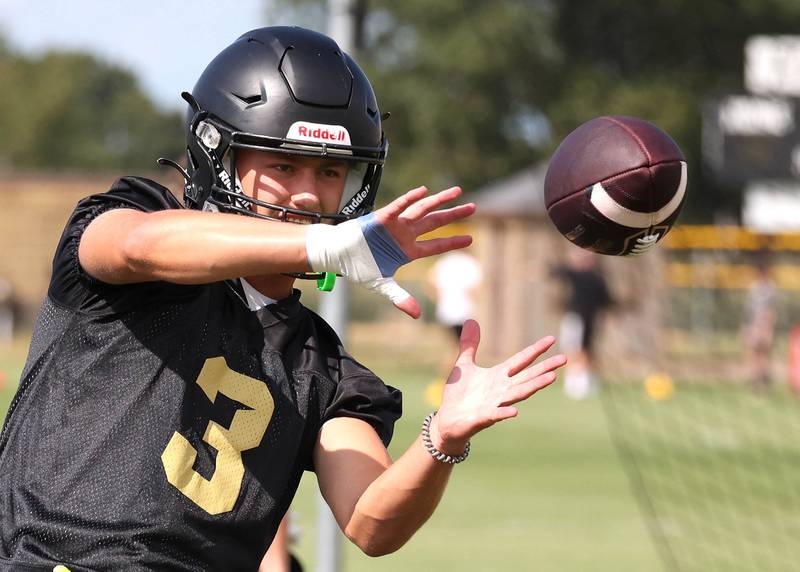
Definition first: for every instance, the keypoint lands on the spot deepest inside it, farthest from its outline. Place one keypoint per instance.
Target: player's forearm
(203, 247)
(398, 502)
(189, 247)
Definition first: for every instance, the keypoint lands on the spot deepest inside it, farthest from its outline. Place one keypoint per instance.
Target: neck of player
(276, 286)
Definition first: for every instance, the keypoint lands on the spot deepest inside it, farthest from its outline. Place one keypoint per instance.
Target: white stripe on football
(619, 214)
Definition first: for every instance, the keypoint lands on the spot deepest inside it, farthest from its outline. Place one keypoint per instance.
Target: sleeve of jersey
(364, 396)
(70, 285)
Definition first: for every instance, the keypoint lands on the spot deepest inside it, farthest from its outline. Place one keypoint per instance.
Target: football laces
(643, 244)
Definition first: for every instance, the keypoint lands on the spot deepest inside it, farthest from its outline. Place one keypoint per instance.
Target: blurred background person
(6, 312)
(7, 309)
(759, 323)
(453, 284)
(455, 278)
(586, 298)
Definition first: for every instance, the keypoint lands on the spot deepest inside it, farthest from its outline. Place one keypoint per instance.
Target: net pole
(334, 310)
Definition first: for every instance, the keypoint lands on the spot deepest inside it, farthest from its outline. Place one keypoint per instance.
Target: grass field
(544, 492)
(719, 463)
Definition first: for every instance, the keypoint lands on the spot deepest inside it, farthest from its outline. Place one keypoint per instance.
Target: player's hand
(414, 214)
(475, 397)
(370, 249)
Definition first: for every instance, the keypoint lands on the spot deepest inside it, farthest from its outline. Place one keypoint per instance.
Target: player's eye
(333, 170)
(282, 167)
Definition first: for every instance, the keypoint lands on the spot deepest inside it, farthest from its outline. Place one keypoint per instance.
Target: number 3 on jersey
(219, 494)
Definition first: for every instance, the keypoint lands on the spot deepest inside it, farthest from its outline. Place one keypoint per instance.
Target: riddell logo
(355, 202)
(319, 133)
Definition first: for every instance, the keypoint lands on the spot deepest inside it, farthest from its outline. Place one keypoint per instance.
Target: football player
(176, 388)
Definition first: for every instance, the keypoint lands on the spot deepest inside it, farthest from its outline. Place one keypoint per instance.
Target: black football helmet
(282, 90)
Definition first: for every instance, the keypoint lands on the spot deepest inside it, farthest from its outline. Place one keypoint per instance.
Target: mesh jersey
(161, 426)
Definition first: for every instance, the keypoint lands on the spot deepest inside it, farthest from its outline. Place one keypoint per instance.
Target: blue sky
(166, 43)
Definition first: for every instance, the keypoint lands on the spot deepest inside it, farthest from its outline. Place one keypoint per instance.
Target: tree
(465, 83)
(480, 89)
(72, 111)
(662, 60)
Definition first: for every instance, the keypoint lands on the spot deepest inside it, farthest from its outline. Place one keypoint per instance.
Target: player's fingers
(550, 364)
(425, 205)
(410, 306)
(436, 246)
(524, 358)
(517, 393)
(505, 412)
(468, 345)
(440, 218)
(388, 288)
(395, 208)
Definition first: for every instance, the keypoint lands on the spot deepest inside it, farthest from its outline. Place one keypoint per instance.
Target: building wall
(35, 209)
(520, 301)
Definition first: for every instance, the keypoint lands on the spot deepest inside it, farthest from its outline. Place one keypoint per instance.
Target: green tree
(465, 83)
(482, 88)
(72, 111)
(662, 60)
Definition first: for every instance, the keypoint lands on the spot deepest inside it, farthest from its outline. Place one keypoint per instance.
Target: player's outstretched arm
(191, 247)
(380, 505)
(124, 246)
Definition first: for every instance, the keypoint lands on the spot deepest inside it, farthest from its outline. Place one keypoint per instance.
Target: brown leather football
(615, 185)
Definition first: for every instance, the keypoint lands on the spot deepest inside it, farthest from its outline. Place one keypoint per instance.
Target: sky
(166, 43)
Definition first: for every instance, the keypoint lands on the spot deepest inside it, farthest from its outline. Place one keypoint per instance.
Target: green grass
(719, 463)
(545, 491)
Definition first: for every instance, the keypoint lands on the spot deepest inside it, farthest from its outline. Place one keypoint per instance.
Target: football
(615, 185)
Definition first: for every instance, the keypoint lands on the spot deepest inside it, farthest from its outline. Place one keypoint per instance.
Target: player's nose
(304, 192)
(306, 201)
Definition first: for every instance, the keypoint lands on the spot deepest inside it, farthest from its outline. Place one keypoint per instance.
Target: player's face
(307, 183)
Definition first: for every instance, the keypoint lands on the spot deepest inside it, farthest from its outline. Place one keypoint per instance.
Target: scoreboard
(754, 136)
(750, 137)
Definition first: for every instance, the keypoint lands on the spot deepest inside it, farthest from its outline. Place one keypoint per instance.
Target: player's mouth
(299, 219)
(296, 217)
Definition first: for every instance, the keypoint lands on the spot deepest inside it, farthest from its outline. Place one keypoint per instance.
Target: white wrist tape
(360, 249)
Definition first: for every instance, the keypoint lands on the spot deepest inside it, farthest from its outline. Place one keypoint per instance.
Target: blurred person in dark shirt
(586, 298)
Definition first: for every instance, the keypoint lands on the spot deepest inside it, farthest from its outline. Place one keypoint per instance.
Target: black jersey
(162, 426)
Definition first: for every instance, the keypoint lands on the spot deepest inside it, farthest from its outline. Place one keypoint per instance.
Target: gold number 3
(248, 427)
